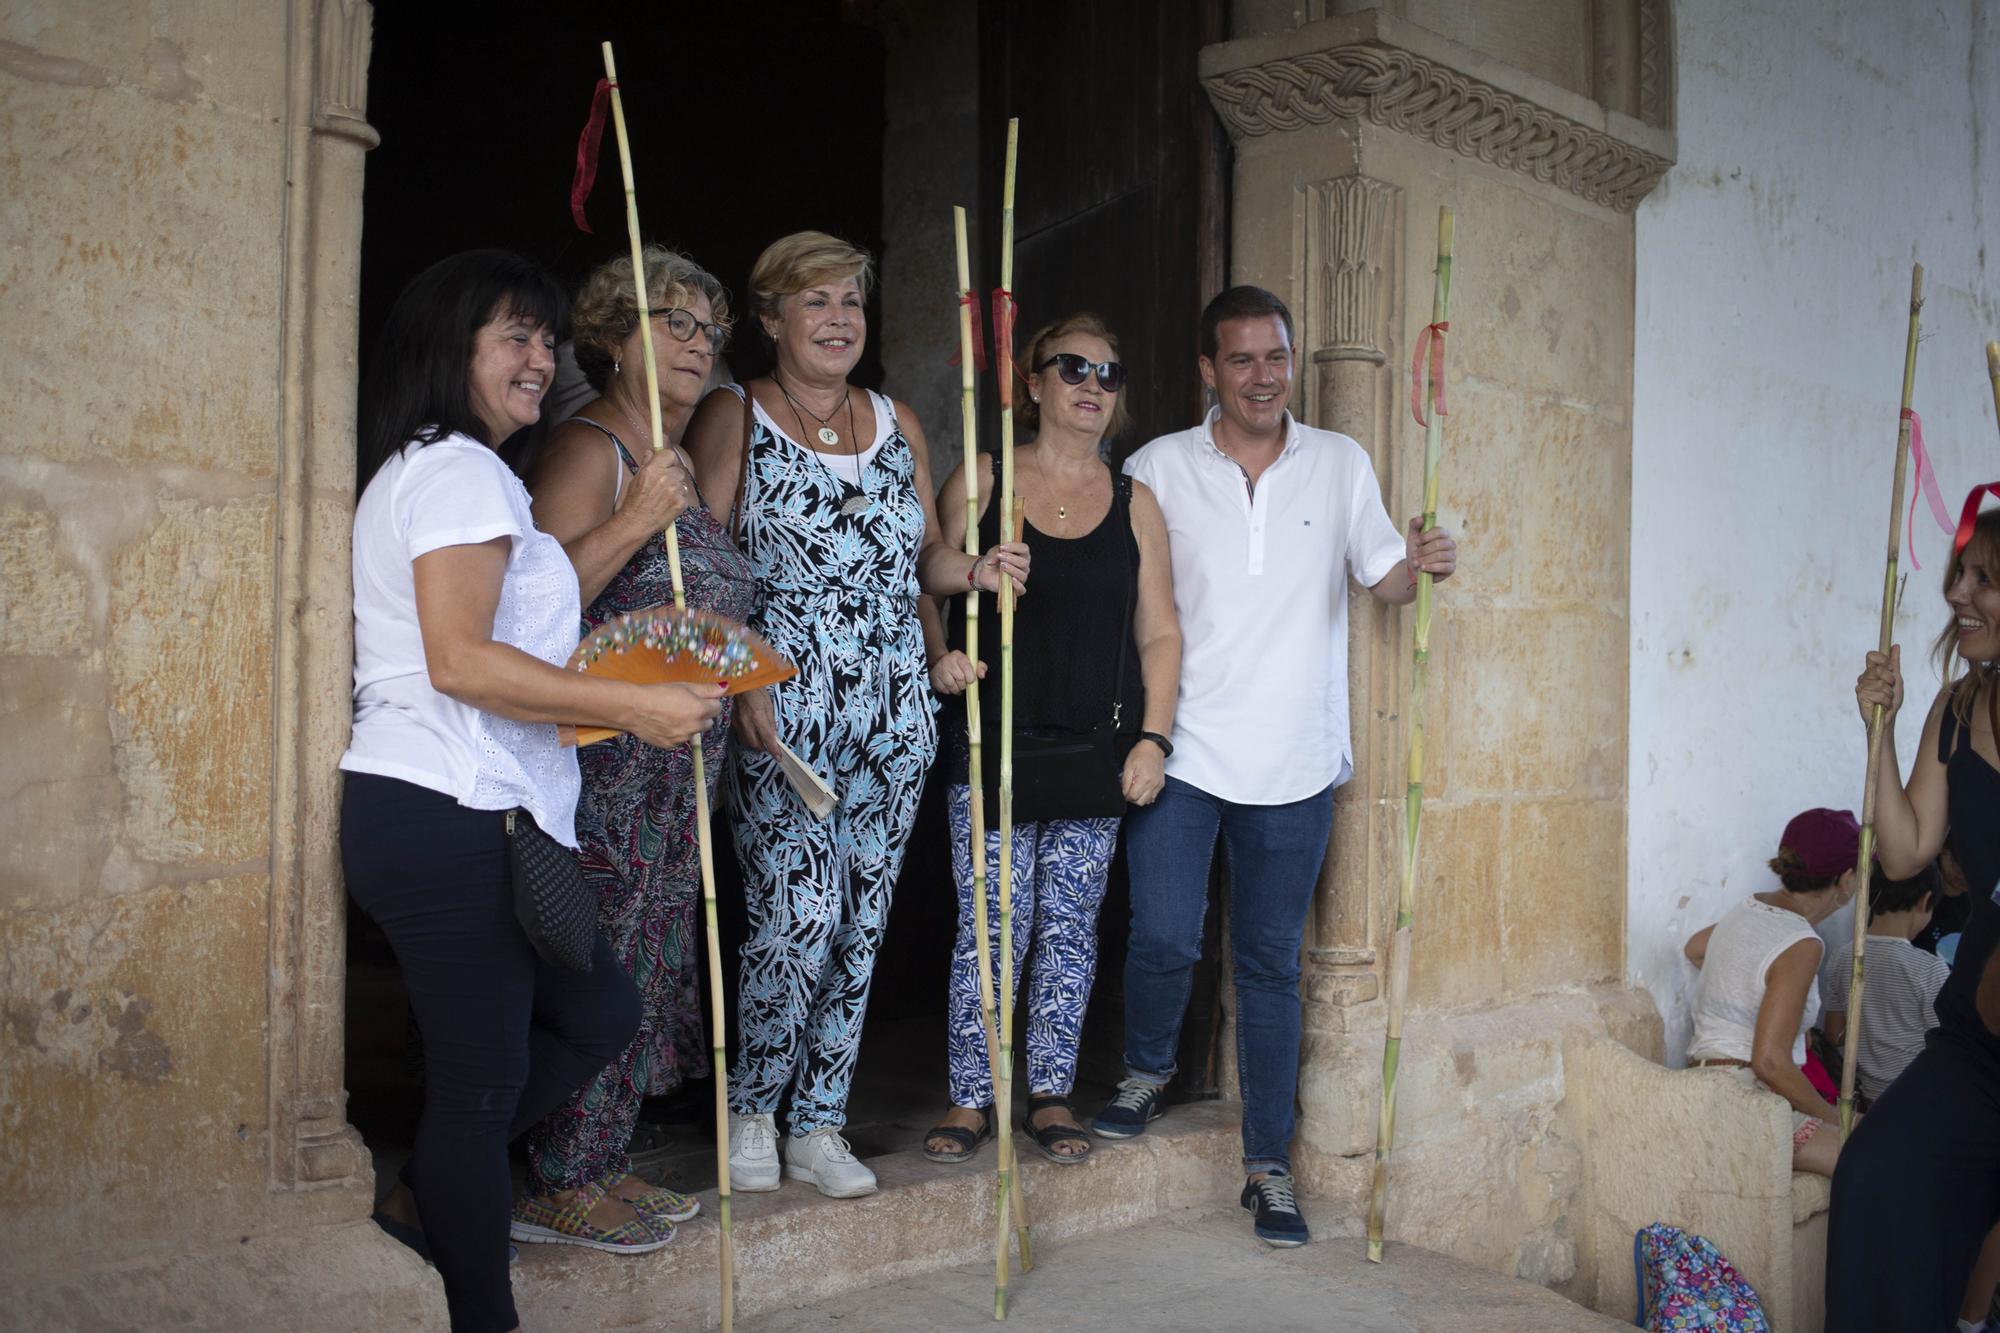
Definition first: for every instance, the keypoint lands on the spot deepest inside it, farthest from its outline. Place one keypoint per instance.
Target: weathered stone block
(190, 654)
(134, 1070)
(191, 227)
(1454, 958)
(1564, 914)
(1545, 713)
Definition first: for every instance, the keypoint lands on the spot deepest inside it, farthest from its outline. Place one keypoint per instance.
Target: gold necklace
(1062, 509)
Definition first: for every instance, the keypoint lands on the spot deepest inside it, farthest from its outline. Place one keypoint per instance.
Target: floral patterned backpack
(1685, 1283)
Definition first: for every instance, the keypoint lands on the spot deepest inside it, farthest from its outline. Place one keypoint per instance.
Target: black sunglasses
(683, 325)
(1074, 370)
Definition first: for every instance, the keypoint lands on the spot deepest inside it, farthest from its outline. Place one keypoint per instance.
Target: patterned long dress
(839, 584)
(635, 829)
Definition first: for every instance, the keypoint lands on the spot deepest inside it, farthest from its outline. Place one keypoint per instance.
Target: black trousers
(507, 1038)
(1916, 1191)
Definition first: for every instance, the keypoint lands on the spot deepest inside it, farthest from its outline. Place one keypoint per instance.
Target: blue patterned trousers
(1059, 873)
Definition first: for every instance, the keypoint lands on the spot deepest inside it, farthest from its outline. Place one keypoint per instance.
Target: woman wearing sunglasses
(1097, 667)
(604, 492)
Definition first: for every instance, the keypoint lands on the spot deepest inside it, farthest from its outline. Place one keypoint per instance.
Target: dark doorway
(750, 121)
(747, 121)
(1128, 168)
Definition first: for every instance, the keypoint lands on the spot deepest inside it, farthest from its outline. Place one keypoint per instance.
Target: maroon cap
(1827, 841)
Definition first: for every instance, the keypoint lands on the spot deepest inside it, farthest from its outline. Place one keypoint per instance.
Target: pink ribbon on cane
(1431, 338)
(1927, 483)
(970, 302)
(587, 145)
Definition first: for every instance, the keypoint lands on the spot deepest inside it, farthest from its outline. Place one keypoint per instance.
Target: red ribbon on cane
(1927, 483)
(1002, 302)
(1432, 337)
(967, 300)
(587, 145)
(1968, 517)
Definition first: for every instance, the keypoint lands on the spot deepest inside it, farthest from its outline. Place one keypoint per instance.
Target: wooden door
(1120, 208)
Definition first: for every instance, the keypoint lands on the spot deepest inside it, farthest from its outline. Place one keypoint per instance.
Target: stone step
(796, 1246)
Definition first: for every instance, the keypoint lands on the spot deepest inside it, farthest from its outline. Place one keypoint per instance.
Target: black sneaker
(1279, 1221)
(1134, 1106)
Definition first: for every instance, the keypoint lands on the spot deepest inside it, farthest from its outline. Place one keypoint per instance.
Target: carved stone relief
(1411, 95)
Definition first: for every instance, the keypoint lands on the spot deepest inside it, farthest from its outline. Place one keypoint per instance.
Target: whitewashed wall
(1824, 145)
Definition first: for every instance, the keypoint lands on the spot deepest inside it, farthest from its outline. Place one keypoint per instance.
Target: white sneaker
(753, 1153)
(824, 1158)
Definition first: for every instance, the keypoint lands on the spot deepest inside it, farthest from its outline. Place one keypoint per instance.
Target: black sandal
(1048, 1136)
(968, 1140)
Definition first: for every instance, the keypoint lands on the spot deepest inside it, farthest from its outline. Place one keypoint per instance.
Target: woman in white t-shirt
(464, 615)
(1759, 987)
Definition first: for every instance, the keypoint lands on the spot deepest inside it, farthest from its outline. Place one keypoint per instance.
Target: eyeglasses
(1075, 370)
(683, 325)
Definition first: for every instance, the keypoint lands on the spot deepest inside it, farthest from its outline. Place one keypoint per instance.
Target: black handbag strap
(1122, 494)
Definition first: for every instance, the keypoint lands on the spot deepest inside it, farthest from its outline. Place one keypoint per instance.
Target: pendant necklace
(860, 501)
(828, 436)
(1062, 510)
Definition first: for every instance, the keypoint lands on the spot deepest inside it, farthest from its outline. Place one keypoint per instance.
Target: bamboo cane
(1003, 1091)
(703, 837)
(1865, 858)
(1413, 800)
(974, 775)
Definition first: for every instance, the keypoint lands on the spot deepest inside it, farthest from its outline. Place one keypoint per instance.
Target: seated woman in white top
(1759, 988)
(464, 616)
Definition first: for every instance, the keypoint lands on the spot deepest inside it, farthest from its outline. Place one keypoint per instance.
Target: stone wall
(1823, 148)
(173, 634)
(1350, 133)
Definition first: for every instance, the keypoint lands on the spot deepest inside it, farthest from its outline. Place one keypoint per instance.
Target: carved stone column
(1350, 248)
(312, 1144)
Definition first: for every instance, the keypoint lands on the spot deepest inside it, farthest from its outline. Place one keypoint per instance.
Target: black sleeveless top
(1974, 812)
(1066, 634)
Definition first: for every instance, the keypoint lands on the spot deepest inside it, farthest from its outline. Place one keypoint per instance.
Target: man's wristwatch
(1166, 746)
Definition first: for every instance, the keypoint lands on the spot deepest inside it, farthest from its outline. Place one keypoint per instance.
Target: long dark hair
(416, 391)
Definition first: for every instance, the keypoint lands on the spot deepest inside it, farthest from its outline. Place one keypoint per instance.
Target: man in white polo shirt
(1266, 520)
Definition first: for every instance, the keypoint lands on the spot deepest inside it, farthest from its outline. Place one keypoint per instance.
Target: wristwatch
(1166, 746)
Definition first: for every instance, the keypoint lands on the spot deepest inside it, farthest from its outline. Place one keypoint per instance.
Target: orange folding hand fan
(663, 643)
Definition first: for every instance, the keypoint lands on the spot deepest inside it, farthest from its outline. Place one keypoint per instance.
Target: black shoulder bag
(554, 906)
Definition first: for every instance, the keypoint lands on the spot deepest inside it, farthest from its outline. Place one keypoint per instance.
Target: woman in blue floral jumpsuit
(833, 509)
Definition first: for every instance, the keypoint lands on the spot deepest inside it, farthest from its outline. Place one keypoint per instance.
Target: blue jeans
(1275, 853)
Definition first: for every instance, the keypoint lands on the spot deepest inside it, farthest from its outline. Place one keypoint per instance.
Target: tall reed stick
(703, 837)
(974, 774)
(1003, 1090)
(1413, 799)
(1865, 858)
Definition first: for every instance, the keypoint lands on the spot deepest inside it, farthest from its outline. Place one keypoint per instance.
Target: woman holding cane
(602, 490)
(1918, 1187)
(1097, 652)
(832, 504)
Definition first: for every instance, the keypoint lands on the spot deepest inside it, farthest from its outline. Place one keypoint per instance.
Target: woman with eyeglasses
(606, 493)
(1097, 655)
(832, 504)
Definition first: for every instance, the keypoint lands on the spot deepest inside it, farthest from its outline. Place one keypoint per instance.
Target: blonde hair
(1027, 412)
(801, 260)
(606, 311)
(1980, 676)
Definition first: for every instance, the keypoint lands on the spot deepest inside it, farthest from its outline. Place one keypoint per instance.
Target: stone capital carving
(1402, 91)
(340, 88)
(1347, 244)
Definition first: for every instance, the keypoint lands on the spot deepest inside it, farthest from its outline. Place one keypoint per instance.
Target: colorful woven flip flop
(543, 1222)
(658, 1202)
